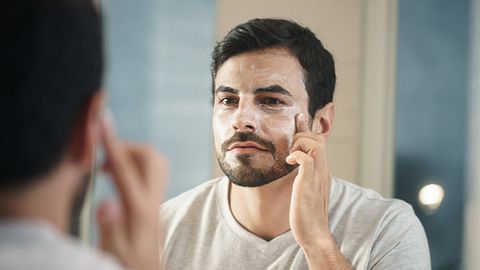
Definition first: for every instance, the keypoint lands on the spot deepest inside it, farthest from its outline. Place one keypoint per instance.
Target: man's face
(257, 96)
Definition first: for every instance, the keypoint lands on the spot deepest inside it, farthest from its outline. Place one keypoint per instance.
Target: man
(50, 113)
(278, 206)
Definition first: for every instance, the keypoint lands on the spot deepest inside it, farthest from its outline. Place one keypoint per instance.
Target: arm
(129, 229)
(324, 254)
(310, 198)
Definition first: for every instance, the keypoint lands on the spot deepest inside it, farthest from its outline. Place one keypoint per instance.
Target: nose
(244, 120)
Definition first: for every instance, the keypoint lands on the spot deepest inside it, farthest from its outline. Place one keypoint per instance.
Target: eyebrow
(269, 89)
(223, 89)
(273, 89)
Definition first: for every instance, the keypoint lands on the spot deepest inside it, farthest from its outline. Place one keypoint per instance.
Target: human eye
(228, 101)
(271, 101)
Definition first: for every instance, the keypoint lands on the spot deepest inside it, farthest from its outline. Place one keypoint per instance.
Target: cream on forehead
(286, 80)
(246, 69)
(263, 58)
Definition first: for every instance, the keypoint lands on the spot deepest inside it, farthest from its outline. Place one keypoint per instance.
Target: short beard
(246, 175)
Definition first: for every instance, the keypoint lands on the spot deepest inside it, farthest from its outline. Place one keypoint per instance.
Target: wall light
(430, 198)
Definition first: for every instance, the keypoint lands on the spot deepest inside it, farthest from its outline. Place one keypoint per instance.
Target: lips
(246, 145)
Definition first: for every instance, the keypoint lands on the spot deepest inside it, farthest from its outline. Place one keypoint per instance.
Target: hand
(130, 229)
(310, 198)
(311, 187)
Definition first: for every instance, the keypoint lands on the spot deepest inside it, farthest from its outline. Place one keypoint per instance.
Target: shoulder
(191, 200)
(89, 258)
(188, 218)
(389, 227)
(363, 213)
(37, 245)
(347, 195)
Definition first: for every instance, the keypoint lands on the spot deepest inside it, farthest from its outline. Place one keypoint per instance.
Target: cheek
(282, 130)
(220, 128)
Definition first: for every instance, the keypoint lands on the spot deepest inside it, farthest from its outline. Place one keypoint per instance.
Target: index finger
(152, 167)
(120, 165)
(301, 123)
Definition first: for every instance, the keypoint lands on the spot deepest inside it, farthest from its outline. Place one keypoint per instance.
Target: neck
(264, 211)
(49, 200)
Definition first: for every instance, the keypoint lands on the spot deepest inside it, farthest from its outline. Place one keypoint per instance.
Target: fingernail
(301, 117)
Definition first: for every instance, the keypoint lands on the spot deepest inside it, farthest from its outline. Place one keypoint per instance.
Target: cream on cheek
(281, 126)
(223, 121)
(222, 129)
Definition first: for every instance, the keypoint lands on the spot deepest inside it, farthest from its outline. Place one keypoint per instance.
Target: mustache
(248, 136)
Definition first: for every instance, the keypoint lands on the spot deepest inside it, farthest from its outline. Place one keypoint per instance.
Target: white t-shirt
(31, 244)
(371, 232)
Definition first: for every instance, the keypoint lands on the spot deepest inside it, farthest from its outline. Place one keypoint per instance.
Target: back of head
(258, 34)
(50, 67)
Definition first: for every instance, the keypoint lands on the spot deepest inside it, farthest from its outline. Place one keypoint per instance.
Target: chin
(249, 176)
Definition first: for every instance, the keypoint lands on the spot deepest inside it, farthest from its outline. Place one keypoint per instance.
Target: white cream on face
(246, 73)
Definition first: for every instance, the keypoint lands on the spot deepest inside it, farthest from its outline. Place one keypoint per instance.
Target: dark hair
(51, 63)
(258, 34)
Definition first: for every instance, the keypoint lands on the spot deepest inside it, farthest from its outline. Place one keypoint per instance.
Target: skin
(273, 123)
(299, 200)
(128, 226)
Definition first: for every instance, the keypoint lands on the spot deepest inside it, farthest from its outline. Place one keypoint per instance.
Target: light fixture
(430, 197)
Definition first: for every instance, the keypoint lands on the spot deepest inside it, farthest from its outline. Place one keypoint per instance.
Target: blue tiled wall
(159, 82)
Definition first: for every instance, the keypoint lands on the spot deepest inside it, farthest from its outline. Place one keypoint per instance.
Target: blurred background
(407, 123)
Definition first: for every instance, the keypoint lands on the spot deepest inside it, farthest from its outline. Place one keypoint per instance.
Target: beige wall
(472, 201)
(340, 26)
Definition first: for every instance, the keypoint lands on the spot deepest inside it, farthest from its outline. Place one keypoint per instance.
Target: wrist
(323, 244)
(323, 253)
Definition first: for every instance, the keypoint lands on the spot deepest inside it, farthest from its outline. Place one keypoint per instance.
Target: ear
(323, 120)
(86, 131)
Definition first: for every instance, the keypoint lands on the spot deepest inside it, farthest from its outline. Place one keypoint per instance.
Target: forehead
(248, 71)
